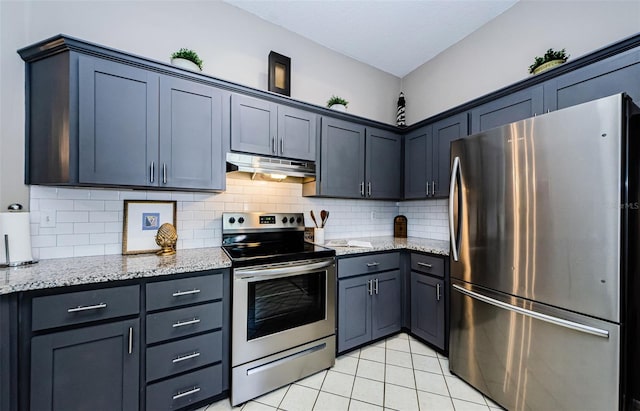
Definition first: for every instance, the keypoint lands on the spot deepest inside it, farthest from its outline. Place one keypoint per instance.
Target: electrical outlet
(373, 215)
(47, 219)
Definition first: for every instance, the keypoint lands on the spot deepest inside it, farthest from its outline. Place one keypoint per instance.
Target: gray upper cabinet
(358, 161)
(118, 123)
(261, 127)
(342, 159)
(191, 129)
(383, 162)
(514, 107)
(617, 74)
(427, 151)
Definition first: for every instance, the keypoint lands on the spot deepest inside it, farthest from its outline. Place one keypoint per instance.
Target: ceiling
(395, 36)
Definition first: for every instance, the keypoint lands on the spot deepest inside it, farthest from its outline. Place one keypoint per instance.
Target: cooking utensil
(323, 217)
(313, 217)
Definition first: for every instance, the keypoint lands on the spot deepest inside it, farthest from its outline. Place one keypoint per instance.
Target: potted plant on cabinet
(550, 59)
(337, 103)
(186, 58)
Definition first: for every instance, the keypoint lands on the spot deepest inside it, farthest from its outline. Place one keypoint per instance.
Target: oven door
(280, 306)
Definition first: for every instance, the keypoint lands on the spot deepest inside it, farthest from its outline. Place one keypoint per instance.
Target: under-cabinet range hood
(271, 168)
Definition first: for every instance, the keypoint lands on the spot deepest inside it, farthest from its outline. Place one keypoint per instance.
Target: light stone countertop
(390, 243)
(64, 272)
(98, 269)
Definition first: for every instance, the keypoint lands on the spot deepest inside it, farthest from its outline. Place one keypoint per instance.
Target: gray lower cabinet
(358, 162)
(262, 127)
(90, 368)
(426, 157)
(428, 308)
(369, 305)
(514, 107)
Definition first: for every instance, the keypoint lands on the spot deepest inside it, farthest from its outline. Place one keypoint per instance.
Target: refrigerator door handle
(455, 169)
(533, 314)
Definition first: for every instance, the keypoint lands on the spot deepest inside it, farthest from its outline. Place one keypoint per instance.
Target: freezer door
(535, 208)
(526, 356)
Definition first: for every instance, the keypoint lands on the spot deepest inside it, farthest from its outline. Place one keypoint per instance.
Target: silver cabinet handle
(533, 314)
(184, 394)
(433, 188)
(273, 144)
(427, 189)
(194, 354)
(164, 173)
(438, 292)
(375, 286)
(87, 308)
(362, 189)
(183, 323)
(181, 293)
(130, 340)
(369, 287)
(281, 146)
(425, 265)
(374, 264)
(152, 171)
(369, 188)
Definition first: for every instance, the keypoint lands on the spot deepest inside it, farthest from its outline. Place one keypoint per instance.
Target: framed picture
(279, 73)
(141, 221)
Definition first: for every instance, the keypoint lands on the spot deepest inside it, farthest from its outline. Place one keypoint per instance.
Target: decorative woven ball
(167, 238)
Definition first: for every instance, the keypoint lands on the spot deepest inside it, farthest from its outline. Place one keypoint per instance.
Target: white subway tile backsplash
(72, 239)
(87, 250)
(95, 228)
(72, 217)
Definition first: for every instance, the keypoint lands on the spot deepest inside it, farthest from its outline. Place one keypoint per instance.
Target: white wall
(499, 53)
(233, 44)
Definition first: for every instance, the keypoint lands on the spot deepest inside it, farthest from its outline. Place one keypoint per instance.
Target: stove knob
(284, 220)
(241, 220)
(232, 220)
(291, 220)
(299, 220)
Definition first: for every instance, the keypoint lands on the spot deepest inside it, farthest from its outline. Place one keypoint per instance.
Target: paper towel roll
(16, 226)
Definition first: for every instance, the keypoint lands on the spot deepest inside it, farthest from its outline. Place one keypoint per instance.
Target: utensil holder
(318, 236)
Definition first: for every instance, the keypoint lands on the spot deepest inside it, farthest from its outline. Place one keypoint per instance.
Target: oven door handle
(271, 272)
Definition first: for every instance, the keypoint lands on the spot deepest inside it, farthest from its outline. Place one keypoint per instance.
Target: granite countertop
(391, 243)
(97, 269)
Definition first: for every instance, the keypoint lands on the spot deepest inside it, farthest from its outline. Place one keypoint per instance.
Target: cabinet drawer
(84, 306)
(183, 355)
(184, 321)
(175, 293)
(427, 264)
(186, 389)
(369, 263)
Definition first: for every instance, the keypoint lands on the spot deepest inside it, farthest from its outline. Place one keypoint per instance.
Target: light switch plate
(47, 218)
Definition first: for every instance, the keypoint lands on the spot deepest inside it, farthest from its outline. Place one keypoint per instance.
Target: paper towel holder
(12, 208)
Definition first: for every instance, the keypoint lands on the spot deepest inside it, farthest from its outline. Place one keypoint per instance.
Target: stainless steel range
(283, 316)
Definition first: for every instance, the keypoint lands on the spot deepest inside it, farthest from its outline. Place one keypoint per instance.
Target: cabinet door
(254, 125)
(342, 159)
(417, 165)
(382, 164)
(428, 308)
(354, 312)
(91, 368)
(386, 315)
(514, 107)
(607, 77)
(118, 123)
(190, 135)
(444, 132)
(296, 134)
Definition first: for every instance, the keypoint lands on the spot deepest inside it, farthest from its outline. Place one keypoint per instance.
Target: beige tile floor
(399, 373)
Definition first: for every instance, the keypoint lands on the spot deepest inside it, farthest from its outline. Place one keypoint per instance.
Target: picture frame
(279, 73)
(140, 223)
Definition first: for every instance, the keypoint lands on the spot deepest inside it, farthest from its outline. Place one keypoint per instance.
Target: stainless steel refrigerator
(544, 254)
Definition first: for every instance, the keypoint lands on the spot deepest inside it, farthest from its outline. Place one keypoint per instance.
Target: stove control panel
(262, 221)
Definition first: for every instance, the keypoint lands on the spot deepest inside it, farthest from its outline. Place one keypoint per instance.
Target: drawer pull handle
(425, 265)
(373, 264)
(183, 323)
(87, 308)
(184, 394)
(181, 293)
(195, 354)
(130, 340)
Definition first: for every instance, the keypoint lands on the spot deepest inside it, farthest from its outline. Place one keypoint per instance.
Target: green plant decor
(188, 54)
(550, 55)
(336, 100)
